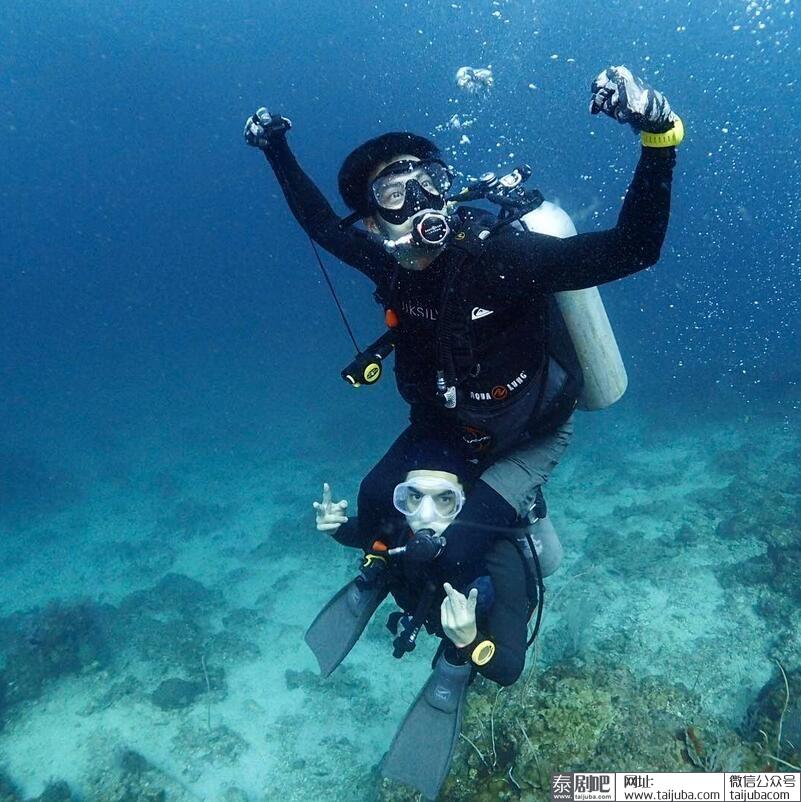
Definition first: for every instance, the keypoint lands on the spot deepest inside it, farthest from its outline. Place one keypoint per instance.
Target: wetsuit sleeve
(520, 262)
(349, 535)
(507, 622)
(315, 215)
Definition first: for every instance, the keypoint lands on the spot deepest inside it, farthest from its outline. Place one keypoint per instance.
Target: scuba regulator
(429, 229)
(506, 191)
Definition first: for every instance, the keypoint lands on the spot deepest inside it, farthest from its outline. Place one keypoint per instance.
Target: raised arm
(497, 644)
(308, 205)
(532, 263)
(508, 617)
(535, 263)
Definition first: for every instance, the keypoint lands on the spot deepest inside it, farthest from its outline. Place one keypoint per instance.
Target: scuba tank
(585, 317)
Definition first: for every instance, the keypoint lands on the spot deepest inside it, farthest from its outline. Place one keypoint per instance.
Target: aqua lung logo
(422, 312)
(501, 391)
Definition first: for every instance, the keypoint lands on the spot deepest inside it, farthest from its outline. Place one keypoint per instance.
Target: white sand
(657, 605)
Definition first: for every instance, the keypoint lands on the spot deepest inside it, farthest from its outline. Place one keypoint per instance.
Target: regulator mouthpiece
(429, 230)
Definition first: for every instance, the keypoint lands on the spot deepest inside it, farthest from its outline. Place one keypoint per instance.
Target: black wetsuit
(504, 622)
(501, 299)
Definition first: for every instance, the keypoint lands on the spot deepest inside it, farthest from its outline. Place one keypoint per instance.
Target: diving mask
(407, 187)
(429, 498)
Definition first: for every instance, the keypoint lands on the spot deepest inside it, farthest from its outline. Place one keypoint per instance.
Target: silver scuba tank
(585, 317)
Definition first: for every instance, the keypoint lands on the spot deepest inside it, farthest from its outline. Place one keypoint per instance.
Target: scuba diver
(482, 621)
(467, 299)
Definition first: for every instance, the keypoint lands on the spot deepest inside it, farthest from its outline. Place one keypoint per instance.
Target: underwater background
(170, 402)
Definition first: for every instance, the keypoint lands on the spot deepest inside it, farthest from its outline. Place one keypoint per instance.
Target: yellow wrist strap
(483, 653)
(669, 139)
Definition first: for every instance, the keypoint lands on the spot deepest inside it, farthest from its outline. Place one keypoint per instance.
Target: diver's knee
(549, 548)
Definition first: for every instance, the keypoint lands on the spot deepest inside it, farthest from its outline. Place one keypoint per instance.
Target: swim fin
(341, 622)
(422, 750)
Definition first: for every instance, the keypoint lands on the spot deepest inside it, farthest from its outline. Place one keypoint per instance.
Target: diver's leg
(485, 516)
(500, 498)
(549, 547)
(422, 750)
(375, 491)
(518, 474)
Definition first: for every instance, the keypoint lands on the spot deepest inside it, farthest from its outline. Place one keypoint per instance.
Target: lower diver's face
(429, 500)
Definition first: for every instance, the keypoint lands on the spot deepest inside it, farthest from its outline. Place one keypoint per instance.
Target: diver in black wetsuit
(481, 622)
(471, 301)
(429, 500)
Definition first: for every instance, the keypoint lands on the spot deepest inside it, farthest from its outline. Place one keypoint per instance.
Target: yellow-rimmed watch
(670, 139)
(482, 652)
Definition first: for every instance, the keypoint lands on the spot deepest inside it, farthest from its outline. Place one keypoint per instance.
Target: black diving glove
(628, 99)
(262, 127)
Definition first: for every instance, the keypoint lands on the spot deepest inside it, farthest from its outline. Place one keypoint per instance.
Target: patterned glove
(627, 99)
(261, 127)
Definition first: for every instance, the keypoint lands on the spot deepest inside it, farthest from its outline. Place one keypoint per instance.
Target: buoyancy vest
(509, 382)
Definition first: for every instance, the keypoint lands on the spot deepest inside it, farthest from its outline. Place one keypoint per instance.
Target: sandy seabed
(162, 594)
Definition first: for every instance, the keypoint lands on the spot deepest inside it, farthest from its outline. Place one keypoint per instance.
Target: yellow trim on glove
(669, 139)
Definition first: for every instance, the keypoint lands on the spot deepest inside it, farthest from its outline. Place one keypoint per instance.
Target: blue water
(161, 312)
